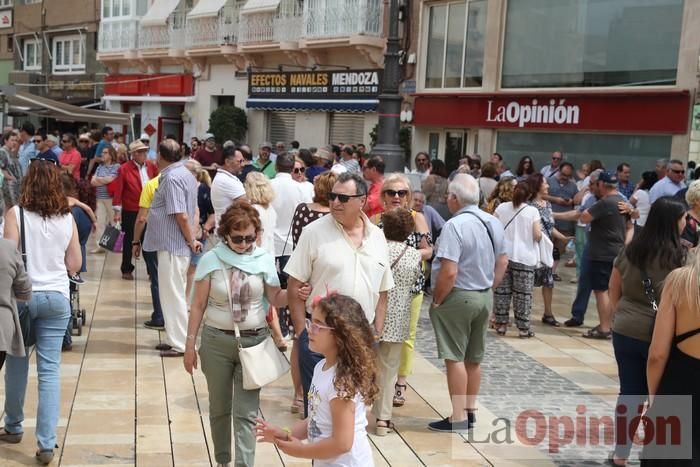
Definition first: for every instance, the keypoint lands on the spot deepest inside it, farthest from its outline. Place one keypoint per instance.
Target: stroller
(77, 314)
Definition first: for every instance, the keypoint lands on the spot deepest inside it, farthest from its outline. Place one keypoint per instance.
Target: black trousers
(128, 223)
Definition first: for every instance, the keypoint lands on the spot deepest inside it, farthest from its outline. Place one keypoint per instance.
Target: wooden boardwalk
(124, 405)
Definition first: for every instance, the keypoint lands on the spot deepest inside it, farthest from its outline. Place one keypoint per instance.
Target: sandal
(297, 406)
(11, 438)
(526, 333)
(596, 333)
(399, 395)
(385, 428)
(501, 329)
(550, 320)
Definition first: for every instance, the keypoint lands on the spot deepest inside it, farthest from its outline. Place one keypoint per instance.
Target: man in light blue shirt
(470, 260)
(671, 184)
(27, 149)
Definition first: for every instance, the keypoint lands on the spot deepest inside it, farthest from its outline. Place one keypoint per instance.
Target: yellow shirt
(149, 190)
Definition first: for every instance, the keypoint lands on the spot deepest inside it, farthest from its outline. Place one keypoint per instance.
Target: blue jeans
(151, 259)
(307, 362)
(50, 312)
(584, 288)
(631, 356)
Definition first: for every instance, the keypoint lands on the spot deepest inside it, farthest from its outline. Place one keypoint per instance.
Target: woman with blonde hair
(299, 174)
(122, 153)
(396, 193)
(503, 193)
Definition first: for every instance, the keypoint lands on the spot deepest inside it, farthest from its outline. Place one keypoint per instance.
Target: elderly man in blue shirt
(27, 149)
(671, 184)
(470, 260)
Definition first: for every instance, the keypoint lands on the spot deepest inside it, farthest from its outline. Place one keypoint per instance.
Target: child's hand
(293, 447)
(304, 291)
(268, 433)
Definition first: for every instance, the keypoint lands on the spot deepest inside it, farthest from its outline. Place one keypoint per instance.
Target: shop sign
(652, 112)
(345, 84)
(5, 19)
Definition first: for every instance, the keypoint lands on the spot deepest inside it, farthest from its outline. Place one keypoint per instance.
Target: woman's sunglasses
(299, 170)
(394, 193)
(238, 239)
(342, 198)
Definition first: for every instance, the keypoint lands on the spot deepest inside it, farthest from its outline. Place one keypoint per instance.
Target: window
(69, 54)
(32, 54)
(564, 43)
(5, 3)
(116, 8)
(30, 2)
(10, 44)
(455, 44)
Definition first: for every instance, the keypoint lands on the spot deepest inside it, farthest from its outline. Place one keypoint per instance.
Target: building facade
(6, 40)
(54, 50)
(173, 62)
(612, 80)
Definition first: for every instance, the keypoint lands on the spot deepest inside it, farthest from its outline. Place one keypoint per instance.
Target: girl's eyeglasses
(394, 193)
(238, 239)
(315, 327)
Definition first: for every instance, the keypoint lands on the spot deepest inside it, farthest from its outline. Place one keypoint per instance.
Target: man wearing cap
(87, 152)
(131, 178)
(323, 160)
(27, 149)
(210, 156)
(145, 139)
(70, 157)
(265, 163)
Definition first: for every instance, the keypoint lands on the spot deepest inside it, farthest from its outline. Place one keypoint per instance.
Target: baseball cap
(208, 136)
(137, 146)
(608, 177)
(323, 153)
(46, 156)
(266, 144)
(84, 137)
(144, 137)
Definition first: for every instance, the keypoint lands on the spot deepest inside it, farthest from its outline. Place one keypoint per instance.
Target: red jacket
(127, 185)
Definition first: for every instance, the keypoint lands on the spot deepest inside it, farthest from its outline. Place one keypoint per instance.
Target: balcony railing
(283, 25)
(171, 35)
(213, 31)
(342, 18)
(119, 35)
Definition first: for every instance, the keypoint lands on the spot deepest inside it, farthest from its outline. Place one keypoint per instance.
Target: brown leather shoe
(128, 276)
(11, 438)
(171, 353)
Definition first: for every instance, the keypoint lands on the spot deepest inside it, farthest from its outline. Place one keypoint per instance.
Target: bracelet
(288, 432)
(190, 337)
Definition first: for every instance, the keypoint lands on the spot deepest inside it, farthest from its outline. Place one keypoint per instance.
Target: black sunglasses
(342, 198)
(238, 239)
(66, 141)
(45, 159)
(678, 171)
(299, 170)
(36, 141)
(393, 193)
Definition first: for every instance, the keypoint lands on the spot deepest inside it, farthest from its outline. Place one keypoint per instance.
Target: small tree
(228, 122)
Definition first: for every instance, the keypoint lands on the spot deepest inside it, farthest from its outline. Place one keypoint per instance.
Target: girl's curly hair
(356, 368)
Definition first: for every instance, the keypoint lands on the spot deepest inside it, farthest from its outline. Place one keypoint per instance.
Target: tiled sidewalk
(124, 405)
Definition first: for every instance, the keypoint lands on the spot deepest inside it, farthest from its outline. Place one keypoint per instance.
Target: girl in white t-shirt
(343, 382)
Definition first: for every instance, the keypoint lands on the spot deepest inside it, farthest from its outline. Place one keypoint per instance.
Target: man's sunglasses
(299, 170)
(393, 193)
(238, 239)
(66, 141)
(342, 198)
(556, 158)
(45, 159)
(678, 171)
(37, 141)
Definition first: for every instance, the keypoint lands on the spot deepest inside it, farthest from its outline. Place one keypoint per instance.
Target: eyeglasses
(342, 198)
(679, 172)
(238, 239)
(45, 159)
(315, 328)
(36, 141)
(556, 158)
(393, 193)
(299, 170)
(65, 141)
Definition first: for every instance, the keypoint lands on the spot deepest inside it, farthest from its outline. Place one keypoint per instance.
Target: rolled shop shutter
(347, 128)
(282, 126)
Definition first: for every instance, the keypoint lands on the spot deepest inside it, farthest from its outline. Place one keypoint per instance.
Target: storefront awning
(206, 9)
(48, 108)
(260, 6)
(158, 14)
(310, 105)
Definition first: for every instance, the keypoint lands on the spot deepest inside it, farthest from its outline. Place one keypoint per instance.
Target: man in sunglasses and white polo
(343, 252)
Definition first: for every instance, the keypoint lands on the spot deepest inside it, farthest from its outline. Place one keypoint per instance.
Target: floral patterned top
(406, 272)
(546, 217)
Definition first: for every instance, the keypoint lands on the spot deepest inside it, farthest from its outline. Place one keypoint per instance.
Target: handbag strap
(400, 256)
(649, 290)
(513, 218)
(23, 241)
(289, 232)
(488, 231)
(230, 299)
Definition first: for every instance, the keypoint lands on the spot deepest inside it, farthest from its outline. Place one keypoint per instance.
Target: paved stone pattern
(508, 375)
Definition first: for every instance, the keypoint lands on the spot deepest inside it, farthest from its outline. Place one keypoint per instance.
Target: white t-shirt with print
(321, 393)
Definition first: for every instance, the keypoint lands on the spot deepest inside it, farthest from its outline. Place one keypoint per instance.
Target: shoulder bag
(488, 231)
(513, 218)
(25, 319)
(546, 252)
(263, 363)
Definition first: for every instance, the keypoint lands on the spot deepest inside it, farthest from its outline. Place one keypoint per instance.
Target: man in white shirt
(342, 252)
(553, 168)
(671, 184)
(226, 186)
(423, 166)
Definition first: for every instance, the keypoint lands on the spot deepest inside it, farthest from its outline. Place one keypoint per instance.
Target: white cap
(208, 136)
(145, 136)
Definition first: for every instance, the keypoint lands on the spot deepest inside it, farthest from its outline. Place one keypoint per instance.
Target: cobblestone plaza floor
(124, 405)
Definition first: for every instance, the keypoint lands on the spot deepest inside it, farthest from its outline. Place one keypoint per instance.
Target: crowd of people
(319, 249)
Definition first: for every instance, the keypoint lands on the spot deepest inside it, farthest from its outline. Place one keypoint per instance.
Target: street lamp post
(390, 100)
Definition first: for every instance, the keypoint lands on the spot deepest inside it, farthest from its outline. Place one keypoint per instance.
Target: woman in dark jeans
(631, 301)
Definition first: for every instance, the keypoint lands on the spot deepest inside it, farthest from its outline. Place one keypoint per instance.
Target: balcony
(117, 36)
(340, 18)
(284, 24)
(170, 36)
(213, 31)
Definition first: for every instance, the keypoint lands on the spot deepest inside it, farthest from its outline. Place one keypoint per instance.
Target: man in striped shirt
(170, 234)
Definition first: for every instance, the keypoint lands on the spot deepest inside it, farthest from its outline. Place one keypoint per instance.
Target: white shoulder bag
(546, 251)
(262, 363)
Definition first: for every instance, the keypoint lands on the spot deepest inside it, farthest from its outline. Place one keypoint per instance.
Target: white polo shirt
(225, 188)
(327, 259)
